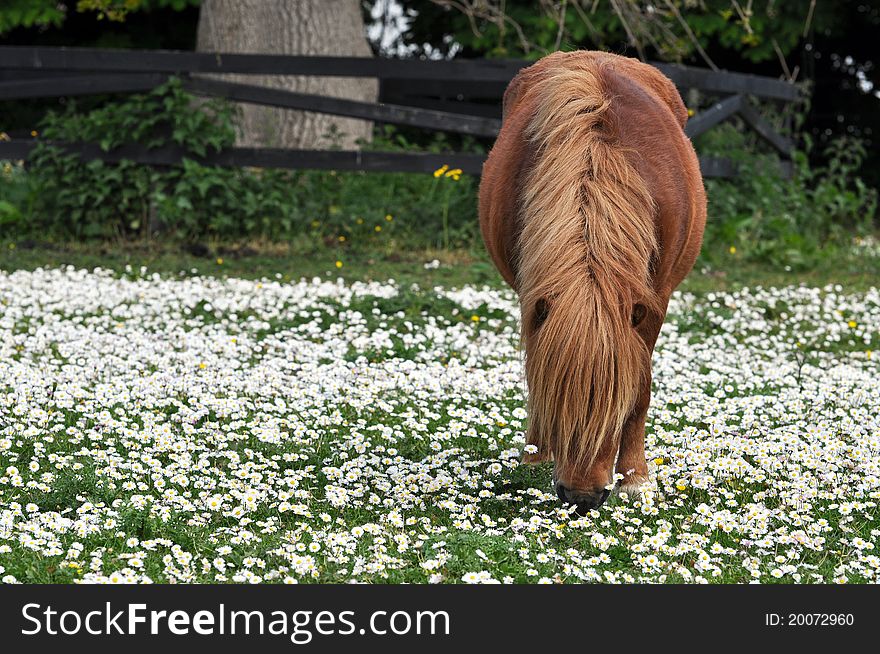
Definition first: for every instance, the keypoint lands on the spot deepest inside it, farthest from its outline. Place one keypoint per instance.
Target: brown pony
(592, 208)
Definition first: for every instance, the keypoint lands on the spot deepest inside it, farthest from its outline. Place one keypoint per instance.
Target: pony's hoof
(633, 485)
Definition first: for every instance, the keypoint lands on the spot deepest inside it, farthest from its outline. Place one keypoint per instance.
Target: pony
(592, 208)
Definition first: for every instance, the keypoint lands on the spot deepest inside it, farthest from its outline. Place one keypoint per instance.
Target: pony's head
(588, 368)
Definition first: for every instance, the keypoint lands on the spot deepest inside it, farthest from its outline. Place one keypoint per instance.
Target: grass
(256, 260)
(380, 404)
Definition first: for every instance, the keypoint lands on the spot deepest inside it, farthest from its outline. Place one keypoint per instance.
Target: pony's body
(592, 207)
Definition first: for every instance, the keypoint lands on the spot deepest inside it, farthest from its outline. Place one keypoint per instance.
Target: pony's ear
(666, 91)
(654, 82)
(514, 91)
(511, 95)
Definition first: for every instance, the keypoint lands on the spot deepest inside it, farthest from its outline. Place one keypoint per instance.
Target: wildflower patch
(194, 429)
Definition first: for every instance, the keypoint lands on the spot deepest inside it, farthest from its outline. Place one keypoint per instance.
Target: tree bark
(306, 27)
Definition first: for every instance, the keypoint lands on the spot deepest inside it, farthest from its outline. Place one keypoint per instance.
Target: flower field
(177, 429)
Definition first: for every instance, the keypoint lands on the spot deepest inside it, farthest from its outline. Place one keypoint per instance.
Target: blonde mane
(583, 262)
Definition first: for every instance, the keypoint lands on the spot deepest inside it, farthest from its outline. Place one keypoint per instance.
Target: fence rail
(177, 62)
(454, 96)
(393, 162)
(386, 162)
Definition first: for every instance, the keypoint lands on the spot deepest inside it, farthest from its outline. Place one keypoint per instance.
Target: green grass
(467, 548)
(458, 267)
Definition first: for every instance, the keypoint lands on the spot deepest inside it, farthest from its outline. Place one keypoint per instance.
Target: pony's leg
(631, 458)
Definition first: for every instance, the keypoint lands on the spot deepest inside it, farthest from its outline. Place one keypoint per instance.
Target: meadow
(174, 424)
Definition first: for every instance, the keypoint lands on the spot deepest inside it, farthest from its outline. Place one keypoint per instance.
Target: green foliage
(166, 115)
(87, 199)
(45, 13)
(30, 13)
(117, 10)
(109, 9)
(753, 33)
(64, 197)
(762, 216)
(380, 212)
(16, 196)
(520, 28)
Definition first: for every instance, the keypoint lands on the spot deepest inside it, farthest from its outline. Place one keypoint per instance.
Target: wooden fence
(454, 96)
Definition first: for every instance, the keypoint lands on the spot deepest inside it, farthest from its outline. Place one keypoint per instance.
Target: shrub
(16, 196)
(785, 221)
(191, 201)
(89, 199)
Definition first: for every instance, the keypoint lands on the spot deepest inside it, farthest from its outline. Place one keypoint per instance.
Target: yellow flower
(868, 353)
(202, 366)
(441, 170)
(691, 112)
(339, 264)
(342, 239)
(659, 460)
(475, 318)
(680, 486)
(378, 228)
(219, 261)
(852, 324)
(360, 221)
(389, 217)
(732, 249)
(455, 173)
(34, 132)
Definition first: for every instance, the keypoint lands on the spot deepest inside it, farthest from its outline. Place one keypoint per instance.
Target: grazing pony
(592, 208)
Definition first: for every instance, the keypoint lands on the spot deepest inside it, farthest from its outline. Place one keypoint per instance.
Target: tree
(305, 27)
(670, 30)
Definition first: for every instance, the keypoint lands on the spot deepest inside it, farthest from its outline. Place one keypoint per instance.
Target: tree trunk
(306, 27)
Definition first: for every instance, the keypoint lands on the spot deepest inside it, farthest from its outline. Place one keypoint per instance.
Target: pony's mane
(585, 252)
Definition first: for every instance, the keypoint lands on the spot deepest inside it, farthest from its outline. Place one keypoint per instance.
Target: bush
(764, 216)
(76, 199)
(16, 196)
(91, 199)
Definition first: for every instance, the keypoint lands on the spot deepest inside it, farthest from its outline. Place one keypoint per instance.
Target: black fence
(454, 96)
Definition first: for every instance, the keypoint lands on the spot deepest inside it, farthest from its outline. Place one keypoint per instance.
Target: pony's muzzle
(584, 500)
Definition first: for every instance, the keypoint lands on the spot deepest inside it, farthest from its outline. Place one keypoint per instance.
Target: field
(231, 425)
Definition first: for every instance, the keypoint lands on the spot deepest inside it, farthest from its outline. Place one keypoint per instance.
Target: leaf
(8, 213)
